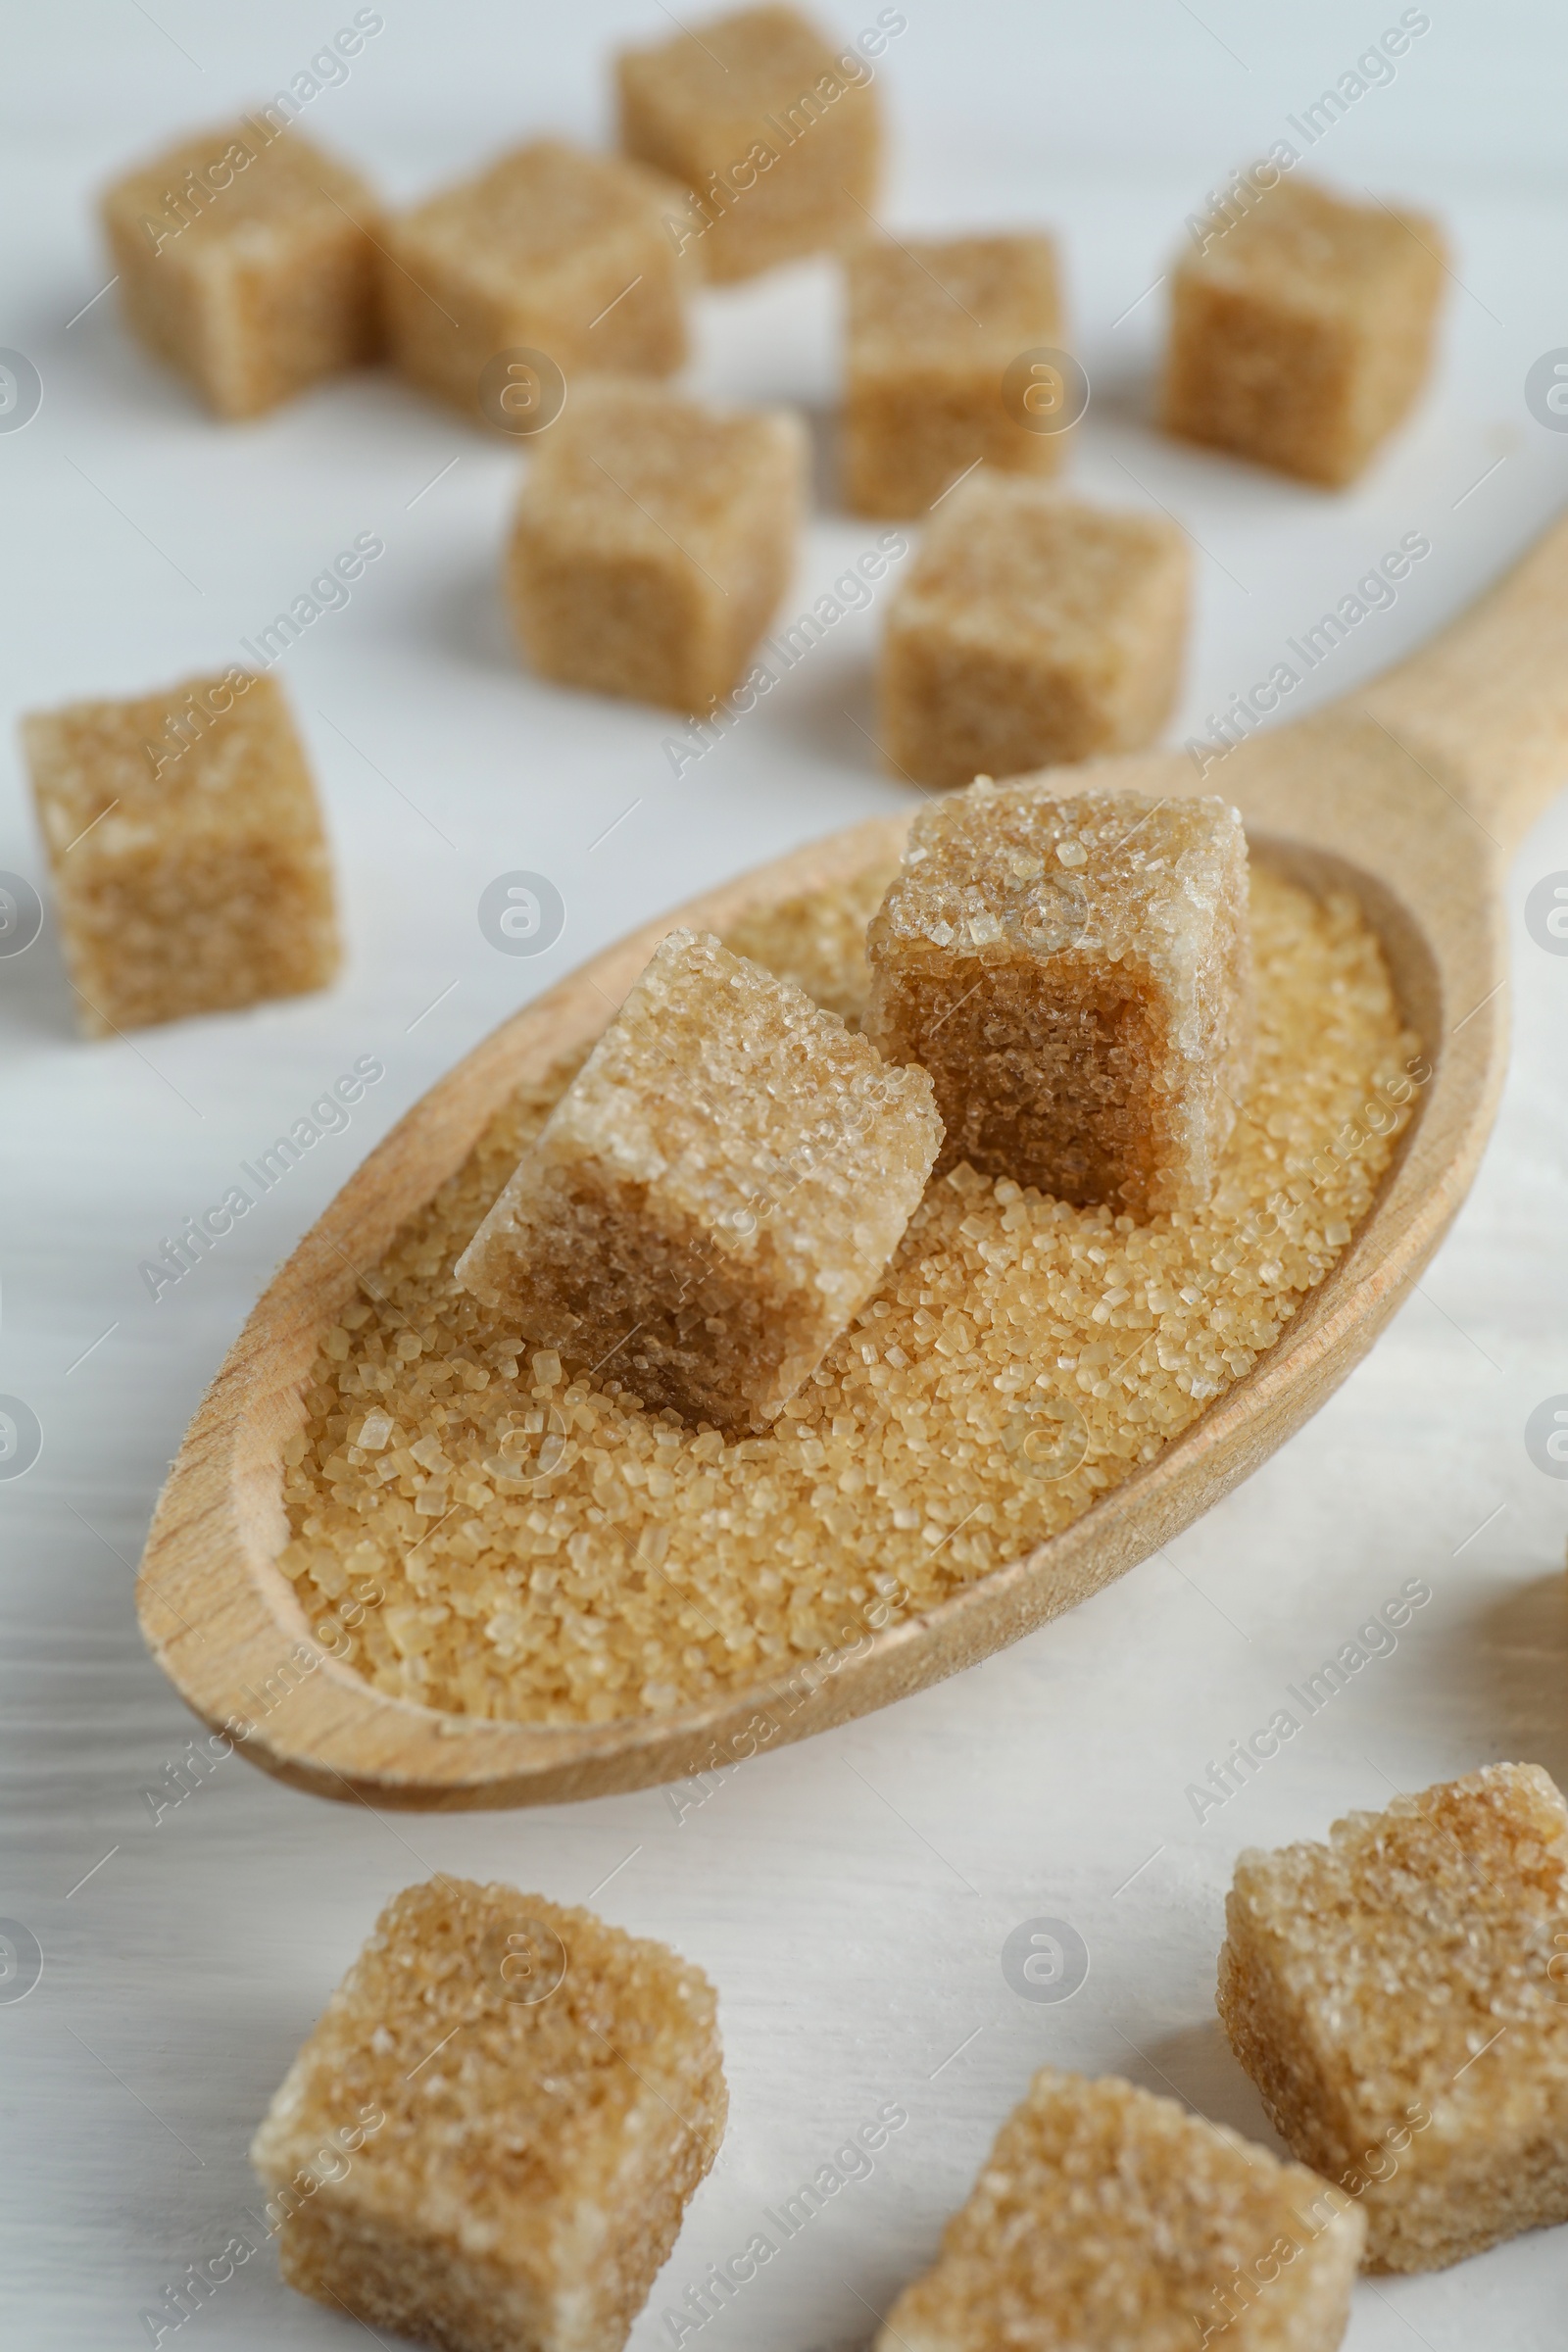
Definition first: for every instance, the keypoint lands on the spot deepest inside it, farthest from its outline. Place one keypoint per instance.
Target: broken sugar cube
(247, 262)
(1031, 629)
(653, 541)
(1302, 332)
(492, 2132)
(551, 251)
(776, 135)
(1400, 1996)
(1074, 973)
(1108, 2217)
(190, 867)
(934, 326)
(715, 1197)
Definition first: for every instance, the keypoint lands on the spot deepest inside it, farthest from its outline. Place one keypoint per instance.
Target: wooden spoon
(1409, 793)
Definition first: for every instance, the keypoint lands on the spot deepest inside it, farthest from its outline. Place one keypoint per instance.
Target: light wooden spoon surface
(1410, 794)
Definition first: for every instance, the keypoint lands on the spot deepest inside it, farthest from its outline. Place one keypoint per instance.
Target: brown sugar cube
(551, 250)
(247, 261)
(1398, 1997)
(1302, 334)
(715, 1197)
(190, 869)
(653, 541)
(1075, 975)
(1108, 2217)
(492, 2132)
(933, 329)
(776, 136)
(1031, 629)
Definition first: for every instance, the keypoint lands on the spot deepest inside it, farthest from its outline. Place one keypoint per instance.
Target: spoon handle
(1484, 704)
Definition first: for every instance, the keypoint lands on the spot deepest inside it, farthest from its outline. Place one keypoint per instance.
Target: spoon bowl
(1408, 794)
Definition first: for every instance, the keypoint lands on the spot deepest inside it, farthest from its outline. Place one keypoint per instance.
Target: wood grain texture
(1407, 795)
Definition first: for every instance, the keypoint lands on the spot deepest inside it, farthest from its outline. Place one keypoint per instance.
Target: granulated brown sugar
(507, 1543)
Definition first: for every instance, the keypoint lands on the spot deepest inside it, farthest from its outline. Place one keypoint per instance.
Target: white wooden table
(851, 1899)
